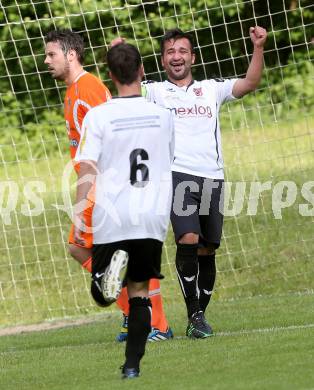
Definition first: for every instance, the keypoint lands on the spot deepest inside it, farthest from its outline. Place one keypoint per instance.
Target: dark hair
(68, 40)
(175, 34)
(124, 61)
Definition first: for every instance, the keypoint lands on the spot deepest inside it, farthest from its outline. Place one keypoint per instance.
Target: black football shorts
(197, 207)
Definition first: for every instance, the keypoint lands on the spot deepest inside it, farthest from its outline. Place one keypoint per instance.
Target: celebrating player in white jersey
(198, 165)
(127, 144)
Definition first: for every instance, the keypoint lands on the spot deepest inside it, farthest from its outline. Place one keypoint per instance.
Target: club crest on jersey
(198, 91)
(74, 143)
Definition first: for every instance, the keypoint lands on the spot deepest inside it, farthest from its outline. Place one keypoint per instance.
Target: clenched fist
(258, 36)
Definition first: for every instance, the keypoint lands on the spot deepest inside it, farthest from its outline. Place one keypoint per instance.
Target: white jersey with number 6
(132, 141)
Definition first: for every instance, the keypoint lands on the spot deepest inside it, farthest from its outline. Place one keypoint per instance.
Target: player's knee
(79, 253)
(208, 251)
(189, 238)
(74, 251)
(137, 289)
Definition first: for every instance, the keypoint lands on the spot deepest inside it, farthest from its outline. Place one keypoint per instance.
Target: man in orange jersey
(64, 57)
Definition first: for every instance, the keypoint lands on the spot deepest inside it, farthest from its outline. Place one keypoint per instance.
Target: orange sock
(88, 264)
(159, 320)
(123, 301)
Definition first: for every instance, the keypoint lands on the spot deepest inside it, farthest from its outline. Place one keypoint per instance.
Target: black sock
(138, 330)
(187, 268)
(206, 279)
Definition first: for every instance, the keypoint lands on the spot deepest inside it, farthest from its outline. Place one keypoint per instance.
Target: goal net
(268, 141)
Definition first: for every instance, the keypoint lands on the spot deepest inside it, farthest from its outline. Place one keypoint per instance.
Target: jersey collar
(188, 86)
(126, 97)
(79, 76)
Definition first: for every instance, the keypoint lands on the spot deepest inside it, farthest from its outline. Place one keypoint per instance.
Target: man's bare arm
(85, 181)
(255, 69)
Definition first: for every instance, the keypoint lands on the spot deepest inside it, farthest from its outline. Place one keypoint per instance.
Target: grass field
(260, 343)
(262, 309)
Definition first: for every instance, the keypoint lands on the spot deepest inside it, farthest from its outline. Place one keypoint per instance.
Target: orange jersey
(85, 92)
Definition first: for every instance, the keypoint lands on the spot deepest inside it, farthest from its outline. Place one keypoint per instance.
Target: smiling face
(177, 60)
(57, 61)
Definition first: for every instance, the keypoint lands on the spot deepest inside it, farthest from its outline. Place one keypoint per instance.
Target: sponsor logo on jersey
(170, 90)
(198, 91)
(193, 111)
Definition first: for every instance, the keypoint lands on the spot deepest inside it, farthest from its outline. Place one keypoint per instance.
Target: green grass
(260, 343)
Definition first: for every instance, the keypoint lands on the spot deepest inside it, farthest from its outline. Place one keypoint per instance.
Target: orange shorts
(87, 215)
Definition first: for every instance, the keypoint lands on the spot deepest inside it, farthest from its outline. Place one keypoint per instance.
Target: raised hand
(258, 36)
(117, 41)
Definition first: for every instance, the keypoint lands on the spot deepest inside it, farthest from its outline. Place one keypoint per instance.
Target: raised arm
(254, 73)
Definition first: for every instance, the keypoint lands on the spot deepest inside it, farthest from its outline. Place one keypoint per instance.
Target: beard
(178, 70)
(60, 74)
(180, 75)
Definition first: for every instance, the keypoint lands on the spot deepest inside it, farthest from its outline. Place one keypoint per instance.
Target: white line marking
(260, 330)
(219, 334)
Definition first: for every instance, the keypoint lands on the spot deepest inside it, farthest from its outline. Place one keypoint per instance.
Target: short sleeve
(92, 93)
(148, 90)
(224, 90)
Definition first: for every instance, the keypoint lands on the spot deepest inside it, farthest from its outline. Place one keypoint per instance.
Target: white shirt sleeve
(148, 90)
(91, 139)
(224, 90)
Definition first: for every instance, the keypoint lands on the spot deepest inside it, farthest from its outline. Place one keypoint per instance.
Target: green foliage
(221, 32)
(9, 111)
(284, 93)
(21, 142)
